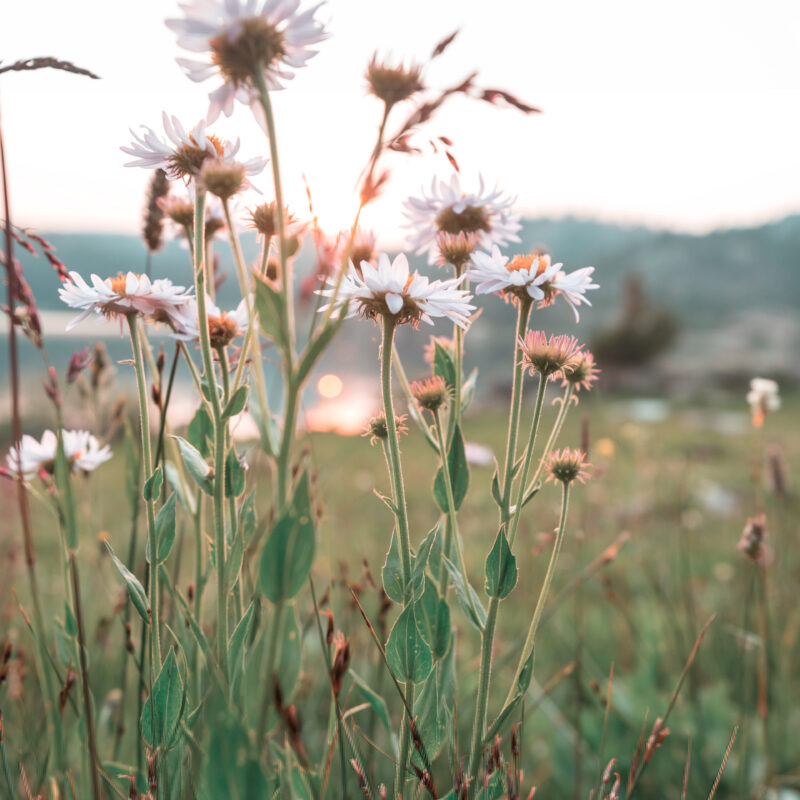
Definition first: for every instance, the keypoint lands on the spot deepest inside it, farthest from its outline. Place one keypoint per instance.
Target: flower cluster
(82, 450)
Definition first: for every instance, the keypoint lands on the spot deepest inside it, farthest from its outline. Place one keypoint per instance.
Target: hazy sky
(682, 114)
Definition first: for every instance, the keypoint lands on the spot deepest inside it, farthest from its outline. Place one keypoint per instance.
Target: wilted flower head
(223, 178)
(82, 450)
(567, 466)
(390, 290)
(120, 296)
(183, 153)
(377, 429)
(77, 363)
(179, 208)
(531, 276)
(223, 326)
(264, 219)
(551, 358)
(393, 84)
(763, 398)
(753, 542)
(430, 393)
(486, 214)
(240, 39)
(584, 371)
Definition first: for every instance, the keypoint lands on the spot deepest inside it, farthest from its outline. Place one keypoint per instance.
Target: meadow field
(651, 556)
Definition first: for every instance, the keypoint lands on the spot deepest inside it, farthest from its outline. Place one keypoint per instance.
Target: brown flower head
(377, 429)
(567, 466)
(393, 84)
(223, 178)
(430, 393)
(753, 541)
(551, 358)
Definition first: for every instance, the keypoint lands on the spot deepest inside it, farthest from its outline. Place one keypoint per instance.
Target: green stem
(487, 641)
(551, 439)
(523, 482)
(147, 464)
(543, 592)
(455, 408)
(451, 511)
(273, 647)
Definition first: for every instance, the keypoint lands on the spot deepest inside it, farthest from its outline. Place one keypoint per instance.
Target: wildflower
(223, 178)
(184, 153)
(362, 247)
(584, 372)
(82, 450)
(377, 429)
(223, 326)
(553, 358)
(486, 214)
(531, 276)
(390, 290)
(120, 296)
(238, 41)
(456, 249)
(430, 393)
(763, 398)
(265, 221)
(753, 541)
(567, 466)
(179, 209)
(393, 84)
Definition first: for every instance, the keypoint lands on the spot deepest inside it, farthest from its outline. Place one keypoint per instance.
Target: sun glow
(329, 386)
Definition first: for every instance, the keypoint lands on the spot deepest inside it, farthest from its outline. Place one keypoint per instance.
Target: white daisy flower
(532, 275)
(763, 398)
(223, 326)
(82, 450)
(239, 38)
(117, 297)
(182, 154)
(391, 290)
(447, 209)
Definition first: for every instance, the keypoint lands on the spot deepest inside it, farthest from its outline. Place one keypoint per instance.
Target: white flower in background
(117, 297)
(391, 290)
(240, 38)
(532, 275)
(223, 326)
(763, 399)
(82, 450)
(447, 209)
(183, 153)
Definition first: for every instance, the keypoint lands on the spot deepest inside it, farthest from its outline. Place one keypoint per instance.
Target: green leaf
(524, 680)
(433, 618)
(288, 668)
(435, 557)
(200, 432)
(196, 464)
(135, 589)
(377, 703)
(236, 404)
(236, 642)
(531, 494)
(289, 551)
(269, 305)
(443, 365)
(234, 475)
(421, 557)
(165, 530)
(497, 494)
(501, 568)
(175, 480)
(476, 617)
(507, 710)
(459, 474)
(407, 652)
(316, 347)
(393, 572)
(431, 720)
(70, 623)
(233, 562)
(234, 771)
(152, 486)
(267, 429)
(247, 518)
(468, 389)
(163, 709)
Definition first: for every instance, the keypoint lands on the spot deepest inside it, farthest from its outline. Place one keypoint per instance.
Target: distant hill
(736, 293)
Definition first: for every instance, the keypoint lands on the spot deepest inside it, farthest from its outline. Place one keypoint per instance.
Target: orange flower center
(119, 283)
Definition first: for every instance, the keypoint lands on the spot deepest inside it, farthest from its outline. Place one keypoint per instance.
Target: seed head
(264, 219)
(393, 84)
(179, 209)
(377, 429)
(553, 358)
(430, 393)
(153, 229)
(223, 178)
(257, 44)
(753, 541)
(567, 466)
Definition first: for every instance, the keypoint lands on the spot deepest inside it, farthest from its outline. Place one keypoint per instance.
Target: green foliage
(135, 589)
(459, 474)
(164, 707)
(196, 464)
(289, 551)
(407, 652)
(501, 568)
